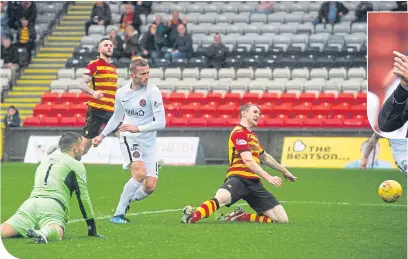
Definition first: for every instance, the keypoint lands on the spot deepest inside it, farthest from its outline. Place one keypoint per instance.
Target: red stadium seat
(307, 97)
(68, 122)
(196, 97)
(81, 120)
(213, 97)
(216, 122)
(332, 123)
(68, 97)
(197, 122)
(251, 98)
(165, 97)
(269, 97)
(288, 97)
(50, 97)
(32, 122)
(361, 98)
(345, 98)
(342, 108)
(190, 108)
(208, 108)
(179, 122)
(177, 97)
(278, 121)
(83, 98)
(353, 123)
(78, 109)
(50, 121)
(42, 110)
(283, 108)
(303, 108)
(233, 97)
(296, 122)
(323, 108)
(229, 109)
(326, 97)
(315, 122)
(266, 108)
(359, 109)
(61, 110)
(207, 116)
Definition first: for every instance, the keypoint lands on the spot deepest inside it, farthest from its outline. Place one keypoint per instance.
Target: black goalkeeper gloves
(92, 229)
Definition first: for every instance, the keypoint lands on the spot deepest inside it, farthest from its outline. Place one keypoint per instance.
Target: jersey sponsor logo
(241, 142)
(142, 102)
(140, 113)
(136, 154)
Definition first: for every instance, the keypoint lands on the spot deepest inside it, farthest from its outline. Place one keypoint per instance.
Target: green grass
(332, 214)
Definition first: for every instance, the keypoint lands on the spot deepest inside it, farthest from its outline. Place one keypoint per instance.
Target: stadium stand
(34, 78)
(300, 74)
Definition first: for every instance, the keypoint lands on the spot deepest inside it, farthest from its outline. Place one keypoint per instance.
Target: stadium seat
(50, 97)
(68, 97)
(50, 121)
(42, 110)
(68, 122)
(32, 122)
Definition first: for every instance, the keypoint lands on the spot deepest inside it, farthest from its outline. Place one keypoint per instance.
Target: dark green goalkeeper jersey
(58, 176)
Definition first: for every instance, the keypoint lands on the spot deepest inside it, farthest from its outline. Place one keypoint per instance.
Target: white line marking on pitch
(245, 204)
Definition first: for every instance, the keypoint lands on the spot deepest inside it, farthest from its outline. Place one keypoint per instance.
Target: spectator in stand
(172, 27)
(101, 15)
(9, 55)
(152, 42)
(183, 44)
(361, 11)
(142, 7)
(217, 53)
(331, 12)
(161, 28)
(129, 17)
(26, 37)
(12, 118)
(5, 30)
(13, 11)
(117, 44)
(28, 11)
(131, 43)
(401, 6)
(264, 7)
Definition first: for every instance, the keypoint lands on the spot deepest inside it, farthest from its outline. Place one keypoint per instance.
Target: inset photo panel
(387, 95)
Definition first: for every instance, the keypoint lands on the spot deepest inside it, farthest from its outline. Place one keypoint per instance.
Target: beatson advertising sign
(334, 152)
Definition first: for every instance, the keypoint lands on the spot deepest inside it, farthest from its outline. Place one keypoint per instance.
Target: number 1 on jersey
(47, 174)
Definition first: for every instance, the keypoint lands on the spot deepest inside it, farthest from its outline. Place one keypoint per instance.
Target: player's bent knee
(150, 184)
(223, 196)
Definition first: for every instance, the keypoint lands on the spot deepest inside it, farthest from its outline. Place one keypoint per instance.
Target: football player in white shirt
(142, 105)
(398, 147)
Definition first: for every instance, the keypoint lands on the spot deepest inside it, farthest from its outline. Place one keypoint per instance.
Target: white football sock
(140, 194)
(128, 192)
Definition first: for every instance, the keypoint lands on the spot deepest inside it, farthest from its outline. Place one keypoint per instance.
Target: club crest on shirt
(142, 102)
(136, 154)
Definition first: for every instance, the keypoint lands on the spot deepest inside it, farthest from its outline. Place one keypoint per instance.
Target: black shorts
(252, 191)
(94, 120)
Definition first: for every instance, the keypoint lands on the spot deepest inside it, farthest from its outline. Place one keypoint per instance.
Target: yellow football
(390, 191)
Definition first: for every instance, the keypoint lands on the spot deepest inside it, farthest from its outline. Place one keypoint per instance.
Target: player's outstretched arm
(84, 201)
(271, 162)
(257, 169)
(372, 142)
(159, 115)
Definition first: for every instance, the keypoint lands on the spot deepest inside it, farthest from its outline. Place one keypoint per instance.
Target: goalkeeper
(44, 215)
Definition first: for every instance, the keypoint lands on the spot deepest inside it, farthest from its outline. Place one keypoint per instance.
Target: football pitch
(332, 214)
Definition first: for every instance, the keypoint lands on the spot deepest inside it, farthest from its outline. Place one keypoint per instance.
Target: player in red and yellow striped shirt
(101, 81)
(243, 179)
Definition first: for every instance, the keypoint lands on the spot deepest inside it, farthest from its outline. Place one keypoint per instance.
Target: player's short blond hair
(137, 61)
(245, 108)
